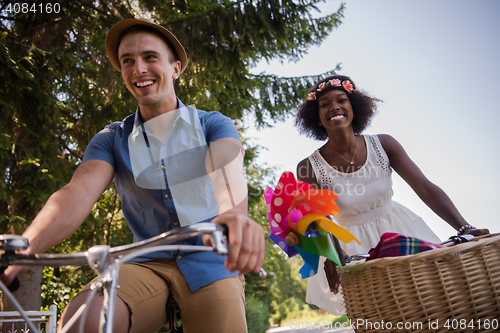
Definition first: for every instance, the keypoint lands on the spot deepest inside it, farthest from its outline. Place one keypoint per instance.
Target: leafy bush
(257, 315)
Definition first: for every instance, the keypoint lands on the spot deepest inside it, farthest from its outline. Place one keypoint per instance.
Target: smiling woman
(358, 169)
(307, 119)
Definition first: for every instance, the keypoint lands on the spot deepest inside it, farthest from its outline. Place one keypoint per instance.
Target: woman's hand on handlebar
(246, 242)
(477, 232)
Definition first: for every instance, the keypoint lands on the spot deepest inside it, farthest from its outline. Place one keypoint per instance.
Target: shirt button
(179, 257)
(167, 196)
(176, 223)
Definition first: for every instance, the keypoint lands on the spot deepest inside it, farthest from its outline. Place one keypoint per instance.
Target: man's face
(146, 69)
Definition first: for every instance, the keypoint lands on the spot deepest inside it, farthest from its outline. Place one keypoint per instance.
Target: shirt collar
(182, 113)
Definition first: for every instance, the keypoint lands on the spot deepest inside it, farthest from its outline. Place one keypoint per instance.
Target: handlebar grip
(15, 284)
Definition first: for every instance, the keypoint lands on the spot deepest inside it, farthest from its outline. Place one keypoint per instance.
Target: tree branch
(205, 13)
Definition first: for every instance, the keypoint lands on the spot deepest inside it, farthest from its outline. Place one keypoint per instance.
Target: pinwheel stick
(291, 239)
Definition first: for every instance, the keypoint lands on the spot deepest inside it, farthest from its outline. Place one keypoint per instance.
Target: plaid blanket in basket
(392, 244)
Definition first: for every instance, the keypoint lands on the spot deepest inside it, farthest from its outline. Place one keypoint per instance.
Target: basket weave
(458, 286)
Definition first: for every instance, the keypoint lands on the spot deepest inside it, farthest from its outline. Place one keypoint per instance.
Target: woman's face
(335, 110)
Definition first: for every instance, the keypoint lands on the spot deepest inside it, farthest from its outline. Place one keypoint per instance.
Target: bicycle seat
(13, 243)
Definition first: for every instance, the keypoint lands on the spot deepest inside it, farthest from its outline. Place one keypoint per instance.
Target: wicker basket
(452, 289)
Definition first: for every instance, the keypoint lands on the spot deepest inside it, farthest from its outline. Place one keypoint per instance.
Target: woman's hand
(477, 232)
(332, 276)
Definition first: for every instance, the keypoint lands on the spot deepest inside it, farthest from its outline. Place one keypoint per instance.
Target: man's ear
(177, 70)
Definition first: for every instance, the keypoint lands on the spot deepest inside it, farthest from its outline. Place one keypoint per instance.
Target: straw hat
(115, 33)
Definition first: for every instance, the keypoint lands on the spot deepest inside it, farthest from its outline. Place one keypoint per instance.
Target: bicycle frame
(105, 261)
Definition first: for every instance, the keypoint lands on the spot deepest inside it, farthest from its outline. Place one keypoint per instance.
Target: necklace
(345, 159)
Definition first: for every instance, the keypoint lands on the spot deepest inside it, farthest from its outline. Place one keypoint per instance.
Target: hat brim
(115, 33)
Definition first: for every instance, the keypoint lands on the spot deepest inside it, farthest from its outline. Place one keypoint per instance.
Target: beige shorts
(144, 287)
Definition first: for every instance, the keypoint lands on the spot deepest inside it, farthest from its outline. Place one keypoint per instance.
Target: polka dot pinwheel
(298, 217)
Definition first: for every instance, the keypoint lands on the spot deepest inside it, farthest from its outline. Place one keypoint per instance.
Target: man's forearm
(63, 213)
(67, 208)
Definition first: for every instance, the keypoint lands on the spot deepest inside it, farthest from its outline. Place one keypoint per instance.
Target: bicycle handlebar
(105, 260)
(10, 244)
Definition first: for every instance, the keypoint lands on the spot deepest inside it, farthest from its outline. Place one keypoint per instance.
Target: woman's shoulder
(307, 159)
(305, 172)
(387, 141)
(390, 145)
(384, 137)
(304, 164)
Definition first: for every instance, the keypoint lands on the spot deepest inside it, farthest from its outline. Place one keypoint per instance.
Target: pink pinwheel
(298, 221)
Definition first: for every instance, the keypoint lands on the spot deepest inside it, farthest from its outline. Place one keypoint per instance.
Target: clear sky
(435, 64)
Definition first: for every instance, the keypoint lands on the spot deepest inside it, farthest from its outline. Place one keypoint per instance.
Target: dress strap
(319, 169)
(380, 154)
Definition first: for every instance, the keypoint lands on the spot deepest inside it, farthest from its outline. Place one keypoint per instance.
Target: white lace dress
(366, 210)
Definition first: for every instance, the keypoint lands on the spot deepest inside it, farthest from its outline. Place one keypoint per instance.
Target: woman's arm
(433, 196)
(306, 174)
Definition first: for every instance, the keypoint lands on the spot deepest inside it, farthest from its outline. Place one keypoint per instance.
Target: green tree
(282, 291)
(57, 89)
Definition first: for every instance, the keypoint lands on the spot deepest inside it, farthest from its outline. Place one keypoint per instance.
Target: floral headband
(347, 85)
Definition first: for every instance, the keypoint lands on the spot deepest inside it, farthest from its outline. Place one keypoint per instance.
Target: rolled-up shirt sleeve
(219, 126)
(101, 146)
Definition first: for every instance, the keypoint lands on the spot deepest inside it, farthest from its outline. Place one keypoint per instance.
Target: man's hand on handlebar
(10, 274)
(246, 242)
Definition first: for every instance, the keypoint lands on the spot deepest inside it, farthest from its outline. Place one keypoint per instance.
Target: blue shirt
(151, 210)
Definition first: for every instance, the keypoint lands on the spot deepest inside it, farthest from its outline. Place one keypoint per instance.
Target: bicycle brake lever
(219, 241)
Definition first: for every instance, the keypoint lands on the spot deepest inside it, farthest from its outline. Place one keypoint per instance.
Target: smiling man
(172, 165)
(149, 67)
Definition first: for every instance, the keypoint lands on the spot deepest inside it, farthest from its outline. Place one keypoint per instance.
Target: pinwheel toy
(298, 217)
